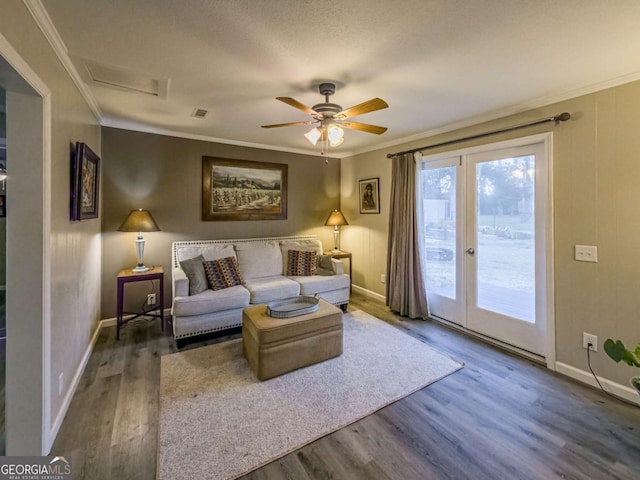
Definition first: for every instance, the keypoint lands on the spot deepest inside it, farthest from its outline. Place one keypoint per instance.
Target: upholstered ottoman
(274, 346)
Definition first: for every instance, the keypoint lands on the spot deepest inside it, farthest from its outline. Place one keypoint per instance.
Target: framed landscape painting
(243, 190)
(370, 195)
(85, 181)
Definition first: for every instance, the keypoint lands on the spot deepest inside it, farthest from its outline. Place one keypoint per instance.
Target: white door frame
(28, 369)
(545, 282)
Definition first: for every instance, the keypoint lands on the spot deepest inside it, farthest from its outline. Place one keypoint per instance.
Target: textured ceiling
(437, 63)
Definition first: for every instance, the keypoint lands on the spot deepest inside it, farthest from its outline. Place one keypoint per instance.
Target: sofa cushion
(325, 267)
(308, 245)
(194, 270)
(223, 273)
(210, 252)
(319, 284)
(259, 260)
(211, 301)
(301, 263)
(268, 289)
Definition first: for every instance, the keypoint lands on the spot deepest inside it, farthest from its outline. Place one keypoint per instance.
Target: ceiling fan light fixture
(336, 135)
(331, 119)
(336, 144)
(313, 135)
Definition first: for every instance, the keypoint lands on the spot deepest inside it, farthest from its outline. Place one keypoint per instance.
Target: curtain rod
(563, 117)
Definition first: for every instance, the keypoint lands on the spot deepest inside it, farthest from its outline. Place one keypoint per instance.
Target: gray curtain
(406, 292)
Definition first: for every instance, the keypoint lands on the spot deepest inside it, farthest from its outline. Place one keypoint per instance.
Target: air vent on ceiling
(200, 113)
(124, 79)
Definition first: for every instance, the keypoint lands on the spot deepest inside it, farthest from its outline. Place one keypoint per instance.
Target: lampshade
(139, 221)
(336, 219)
(313, 135)
(335, 135)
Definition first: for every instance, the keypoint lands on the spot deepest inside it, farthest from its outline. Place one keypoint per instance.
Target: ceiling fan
(328, 118)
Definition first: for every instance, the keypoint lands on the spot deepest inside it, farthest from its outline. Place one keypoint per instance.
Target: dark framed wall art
(85, 182)
(243, 190)
(369, 195)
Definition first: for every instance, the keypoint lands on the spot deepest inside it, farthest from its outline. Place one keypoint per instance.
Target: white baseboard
(369, 293)
(111, 322)
(614, 388)
(622, 391)
(108, 322)
(55, 427)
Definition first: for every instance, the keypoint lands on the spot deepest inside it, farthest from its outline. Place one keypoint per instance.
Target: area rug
(218, 421)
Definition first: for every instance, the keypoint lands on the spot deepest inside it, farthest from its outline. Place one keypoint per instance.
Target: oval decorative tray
(292, 307)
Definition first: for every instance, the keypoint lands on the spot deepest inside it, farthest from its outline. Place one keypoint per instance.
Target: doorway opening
(27, 298)
(3, 264)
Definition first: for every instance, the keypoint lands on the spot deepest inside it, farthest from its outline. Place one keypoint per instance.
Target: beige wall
(164, 174)
(74, 287)
(596, 202)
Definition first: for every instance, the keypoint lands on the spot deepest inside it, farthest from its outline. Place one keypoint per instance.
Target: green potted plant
(618, 352)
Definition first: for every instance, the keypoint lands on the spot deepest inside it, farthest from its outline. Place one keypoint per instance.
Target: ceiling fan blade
(364, 127)
(365, 107)
(296, 104)
(291, 124)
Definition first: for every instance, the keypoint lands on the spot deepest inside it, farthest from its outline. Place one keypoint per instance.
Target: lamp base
(140, 268)
(336, 250)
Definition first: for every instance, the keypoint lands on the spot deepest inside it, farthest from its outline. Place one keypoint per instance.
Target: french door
(486, 214)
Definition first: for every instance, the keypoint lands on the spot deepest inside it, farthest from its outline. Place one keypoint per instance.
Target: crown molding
(45, 23)
(134, 127)
(539, 102)
(43, 20)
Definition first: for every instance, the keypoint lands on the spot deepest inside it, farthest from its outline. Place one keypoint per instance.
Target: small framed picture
(85, 181)
(370, 195)
(3, 205)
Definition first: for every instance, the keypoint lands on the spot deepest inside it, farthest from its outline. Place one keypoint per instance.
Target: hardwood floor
(500, 417)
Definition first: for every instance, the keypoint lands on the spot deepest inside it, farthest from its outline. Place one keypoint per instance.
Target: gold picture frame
(238, 190)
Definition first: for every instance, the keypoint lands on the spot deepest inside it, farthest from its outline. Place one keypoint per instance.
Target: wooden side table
(129, 276)
(339, 255)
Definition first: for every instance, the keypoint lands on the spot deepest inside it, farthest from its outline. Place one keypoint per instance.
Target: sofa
(247, 271)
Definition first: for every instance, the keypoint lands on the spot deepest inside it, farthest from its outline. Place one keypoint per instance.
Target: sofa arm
(179, 283)
(337, 266)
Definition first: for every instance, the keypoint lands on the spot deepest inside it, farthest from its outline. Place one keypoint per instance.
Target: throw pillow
(194, 270)
(223, 273)
(325, 267)
(301, 263)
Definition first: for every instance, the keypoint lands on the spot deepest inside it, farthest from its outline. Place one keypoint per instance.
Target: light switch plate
(586, 253)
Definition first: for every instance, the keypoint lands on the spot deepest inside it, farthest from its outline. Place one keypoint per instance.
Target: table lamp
(336, 220)
(139, 221)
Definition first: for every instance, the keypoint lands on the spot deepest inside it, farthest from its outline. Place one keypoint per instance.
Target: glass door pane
(441, 193)
(505, 233)
(440, 230)
(505, 250)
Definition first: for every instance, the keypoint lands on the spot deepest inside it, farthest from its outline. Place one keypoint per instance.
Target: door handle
(471, 251)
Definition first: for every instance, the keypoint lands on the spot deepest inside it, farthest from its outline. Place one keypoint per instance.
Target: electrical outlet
(586, 253)
(60, 383)
(382, 278)
(587, 339)
(151, 299)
